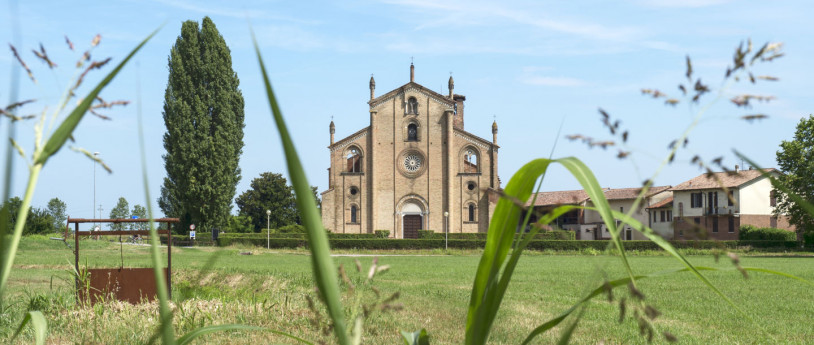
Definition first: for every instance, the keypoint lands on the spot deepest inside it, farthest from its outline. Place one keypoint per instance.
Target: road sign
(192, 227)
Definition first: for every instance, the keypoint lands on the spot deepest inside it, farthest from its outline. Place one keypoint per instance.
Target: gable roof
(484, 143)
(631, 193)
(722, 179)
(664, 203)
(566, 197)
(574, 197)
(410, 85)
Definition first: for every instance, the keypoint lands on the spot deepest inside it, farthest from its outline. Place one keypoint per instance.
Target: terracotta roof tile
(566, 197)
(631, 193)
(664, 203)
(721, 179)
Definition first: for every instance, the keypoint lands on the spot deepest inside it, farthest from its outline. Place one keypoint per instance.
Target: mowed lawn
(269, 289)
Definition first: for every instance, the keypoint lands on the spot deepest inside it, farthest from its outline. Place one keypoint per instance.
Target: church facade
(413, 168)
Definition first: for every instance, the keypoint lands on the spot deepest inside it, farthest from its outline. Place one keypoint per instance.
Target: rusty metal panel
(124, 284)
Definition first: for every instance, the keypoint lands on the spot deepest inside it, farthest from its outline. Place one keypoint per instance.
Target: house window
(696, 200)
(353, 211)
(715, 224)
(669, 215)
(621, 209)
(629, 235)
(412, 106)
(731, 201)
(412, 132)
(712, 202)
(354, 160)
(471, 212)
(772, 198)
(681, 209)
(663, 214)
(470, 161)
(731, 224)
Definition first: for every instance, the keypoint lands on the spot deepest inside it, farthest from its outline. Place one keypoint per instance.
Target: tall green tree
(203, 114)
(270, 192)
(39, 220)
(121, 211)
(796, 160)
(140, 212)
(57, 209)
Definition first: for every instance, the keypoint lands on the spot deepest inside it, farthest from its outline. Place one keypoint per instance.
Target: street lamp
(268, 230)
(93, 209)
(446, 230)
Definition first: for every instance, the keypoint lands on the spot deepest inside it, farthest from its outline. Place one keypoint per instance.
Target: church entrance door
(412, 223)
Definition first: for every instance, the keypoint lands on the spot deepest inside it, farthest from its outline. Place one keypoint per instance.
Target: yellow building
(414, 167)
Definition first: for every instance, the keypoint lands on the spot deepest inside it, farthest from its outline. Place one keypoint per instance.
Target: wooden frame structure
(77, 234)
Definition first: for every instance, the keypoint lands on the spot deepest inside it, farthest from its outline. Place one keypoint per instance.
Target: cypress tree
(203, 113)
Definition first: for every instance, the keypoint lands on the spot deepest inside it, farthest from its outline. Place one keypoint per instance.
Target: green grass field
(268, 288)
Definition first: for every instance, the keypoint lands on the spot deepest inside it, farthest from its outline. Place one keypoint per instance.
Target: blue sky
(531, 65)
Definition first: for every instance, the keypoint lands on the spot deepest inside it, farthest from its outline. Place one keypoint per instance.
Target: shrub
(382, 233)
(750, 232)
(291, 228)
(427, 234)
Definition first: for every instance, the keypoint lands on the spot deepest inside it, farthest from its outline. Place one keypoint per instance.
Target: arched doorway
(412, 219)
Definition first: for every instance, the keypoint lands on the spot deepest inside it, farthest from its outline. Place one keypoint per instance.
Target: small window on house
(663, 216)
(696, 200)
(354, 160)
(412, 106)
(715, 225)
(471, 212)
(621, 209)
(681, 209)
(731, 201)
(669, 215)
(412, 132)
(470, 161)
(353, 211)
(731, 224)
(772, 198)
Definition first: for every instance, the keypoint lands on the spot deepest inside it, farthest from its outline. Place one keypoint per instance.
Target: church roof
(387, 96)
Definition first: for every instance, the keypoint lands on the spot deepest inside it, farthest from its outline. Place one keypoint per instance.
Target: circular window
(354, 190)
(412, 162)
(470, 186)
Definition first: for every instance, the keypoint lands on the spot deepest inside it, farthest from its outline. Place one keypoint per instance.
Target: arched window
(471, 212)
(412, 132)
(412, 106)
(354, 160)
(353, 214)
(470, 161)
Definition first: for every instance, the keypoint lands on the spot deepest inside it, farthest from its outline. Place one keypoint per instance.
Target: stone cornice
(437, 97)
(349, 139)
(476, 140)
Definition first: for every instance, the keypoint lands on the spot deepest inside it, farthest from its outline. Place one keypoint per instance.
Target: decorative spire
(372, 86)
(332, 129)
(494, 132)
(451, 85)
(412, 72)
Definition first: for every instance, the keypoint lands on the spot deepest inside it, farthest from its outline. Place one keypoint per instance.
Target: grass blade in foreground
(323, 266)
(40, 157)
(39, 325)
(195, 333)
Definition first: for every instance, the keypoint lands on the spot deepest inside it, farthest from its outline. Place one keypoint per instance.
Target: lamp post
(446, 230)
(268, 230)
(93, 209)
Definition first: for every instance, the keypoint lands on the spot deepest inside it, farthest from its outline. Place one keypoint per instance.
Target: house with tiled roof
(587, 224)
(715, 205)
(660, 217)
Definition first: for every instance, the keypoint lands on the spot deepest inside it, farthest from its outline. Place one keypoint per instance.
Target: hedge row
(424, 234)
(751, 232)
(376, 243)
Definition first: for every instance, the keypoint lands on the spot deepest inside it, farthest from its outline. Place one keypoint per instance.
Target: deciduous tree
(271, 192)
(203, 114)
(56, 208)
(121, 211)
(796, 160)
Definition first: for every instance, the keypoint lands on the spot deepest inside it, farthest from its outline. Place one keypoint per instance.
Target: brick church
(414, 167)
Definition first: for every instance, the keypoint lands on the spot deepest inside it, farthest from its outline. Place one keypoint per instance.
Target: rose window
(412, 162)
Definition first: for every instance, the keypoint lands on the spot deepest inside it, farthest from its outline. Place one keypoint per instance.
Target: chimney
(737, 168)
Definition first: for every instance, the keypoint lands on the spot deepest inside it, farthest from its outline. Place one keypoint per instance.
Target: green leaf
(38, 323)
(195, 333)
(416, 338)
(66, 128)
(323, 266)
